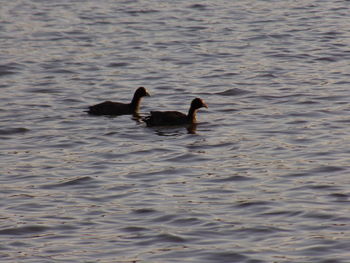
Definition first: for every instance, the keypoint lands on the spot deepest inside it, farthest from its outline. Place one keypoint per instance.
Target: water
(264, 177)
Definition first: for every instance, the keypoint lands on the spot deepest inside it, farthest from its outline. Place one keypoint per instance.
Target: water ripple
(25, 230)
(81, 182)
(262, 177)
(10, 131)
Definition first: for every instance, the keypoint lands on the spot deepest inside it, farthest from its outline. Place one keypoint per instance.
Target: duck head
(142, 92)
(198, 103)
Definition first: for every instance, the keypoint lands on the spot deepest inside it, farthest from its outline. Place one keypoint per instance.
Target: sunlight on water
(262, 177)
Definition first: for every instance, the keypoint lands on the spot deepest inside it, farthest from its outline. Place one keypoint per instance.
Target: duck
(118, 108)
(166, 118)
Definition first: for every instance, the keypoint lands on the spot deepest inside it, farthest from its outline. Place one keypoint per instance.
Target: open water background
(265, 177)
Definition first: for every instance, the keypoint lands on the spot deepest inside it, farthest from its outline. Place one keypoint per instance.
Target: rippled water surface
(263, 177)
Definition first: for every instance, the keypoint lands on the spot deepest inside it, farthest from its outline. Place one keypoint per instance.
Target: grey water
(263, 177)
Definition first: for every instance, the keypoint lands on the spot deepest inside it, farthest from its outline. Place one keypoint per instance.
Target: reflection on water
(175, 130)
(262, 177)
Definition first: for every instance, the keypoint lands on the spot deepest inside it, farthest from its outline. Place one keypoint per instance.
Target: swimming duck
(165, 118)
(117, 108)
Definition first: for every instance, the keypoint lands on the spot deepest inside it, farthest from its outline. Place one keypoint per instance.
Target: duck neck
(192, 115)
(135, 103)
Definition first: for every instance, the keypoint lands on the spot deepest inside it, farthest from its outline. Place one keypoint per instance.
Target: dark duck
(166, 118)
(117, 108)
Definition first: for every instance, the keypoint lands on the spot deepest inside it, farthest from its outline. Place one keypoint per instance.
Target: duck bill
(147, 94)
(205, 105)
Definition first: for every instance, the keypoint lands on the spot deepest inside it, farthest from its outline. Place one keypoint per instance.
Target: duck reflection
(192, 128)
(175, 130)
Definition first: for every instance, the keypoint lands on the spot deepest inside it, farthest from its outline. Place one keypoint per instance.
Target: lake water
(264, 177)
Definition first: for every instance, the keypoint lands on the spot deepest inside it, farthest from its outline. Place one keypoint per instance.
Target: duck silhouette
(118, 108)
(166, 118)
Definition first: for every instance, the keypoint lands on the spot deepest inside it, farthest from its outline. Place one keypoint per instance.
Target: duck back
(110, 108)
(158, 118)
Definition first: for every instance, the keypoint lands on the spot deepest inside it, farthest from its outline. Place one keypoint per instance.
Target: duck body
(167, 118)
(110, 108)
(160, 118)
(118, 108)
